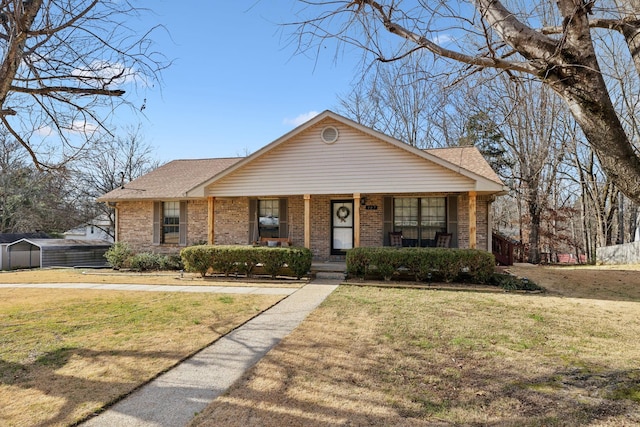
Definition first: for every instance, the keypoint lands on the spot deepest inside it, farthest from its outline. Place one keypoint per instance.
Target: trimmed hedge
(432, 264)
(243, 259)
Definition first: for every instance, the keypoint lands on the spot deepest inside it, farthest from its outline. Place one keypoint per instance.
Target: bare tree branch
(502, 35)
(62, 61)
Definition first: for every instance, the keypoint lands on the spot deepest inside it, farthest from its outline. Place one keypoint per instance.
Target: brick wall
(482, 218)
(135, 226)
(321, 226)
(197, 217)
(371, 222)
(231, 221)
(296, 220)
(463, 221)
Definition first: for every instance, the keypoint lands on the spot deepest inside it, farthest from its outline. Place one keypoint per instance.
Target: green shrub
(447, 263)
(147, 261)
(243, 259)
(419, 265)
(513, 283)
(299, 261)
(118, 255)
(387, 261)
(422, 263)
(198, 259)
(358, 260)
(225, 259)
(477, 265)
(247, 261)
(273, 260)
(172, 262)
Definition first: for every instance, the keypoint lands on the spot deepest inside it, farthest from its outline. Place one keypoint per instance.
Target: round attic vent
(329, 135)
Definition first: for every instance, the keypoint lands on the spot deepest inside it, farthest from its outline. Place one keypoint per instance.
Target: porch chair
(443, 240)
(395, 239)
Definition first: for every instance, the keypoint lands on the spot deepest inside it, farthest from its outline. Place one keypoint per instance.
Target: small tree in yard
(118, 255)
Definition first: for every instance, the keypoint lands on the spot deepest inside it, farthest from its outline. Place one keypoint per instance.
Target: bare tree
(525, 122)
(64, 66)
(112, 163)
(32, 200)
(403, 100)
(554, 44)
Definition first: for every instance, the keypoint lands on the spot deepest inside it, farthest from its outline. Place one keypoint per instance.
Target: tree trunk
(594, 112)
(535, 213)
(534, 234)
(571, 68)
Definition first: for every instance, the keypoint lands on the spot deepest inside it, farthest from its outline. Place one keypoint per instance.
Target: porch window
(170, 223)
(419, 219)
(269, 218)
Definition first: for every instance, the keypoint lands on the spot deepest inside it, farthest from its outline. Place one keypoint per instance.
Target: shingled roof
(468, 158)
(181, 179)
(170, 181)
(174, 179)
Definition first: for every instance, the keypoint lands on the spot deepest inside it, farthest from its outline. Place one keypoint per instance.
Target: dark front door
(341, 226)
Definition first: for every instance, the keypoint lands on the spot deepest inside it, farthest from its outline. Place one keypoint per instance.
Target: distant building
(99, 228)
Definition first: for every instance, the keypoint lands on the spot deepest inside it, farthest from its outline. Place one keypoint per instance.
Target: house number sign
(371, 207)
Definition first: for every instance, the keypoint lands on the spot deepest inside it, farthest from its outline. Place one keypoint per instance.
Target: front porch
(331, 224)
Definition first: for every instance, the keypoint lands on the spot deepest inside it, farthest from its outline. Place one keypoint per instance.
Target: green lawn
(390, 357)
(66, 353)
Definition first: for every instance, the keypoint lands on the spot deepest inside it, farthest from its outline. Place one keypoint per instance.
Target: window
(433, 217)
(405, 214)
(170, 222)
(419, 219)
(269, 218)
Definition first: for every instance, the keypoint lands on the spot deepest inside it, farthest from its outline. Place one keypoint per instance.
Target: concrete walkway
(174, 398)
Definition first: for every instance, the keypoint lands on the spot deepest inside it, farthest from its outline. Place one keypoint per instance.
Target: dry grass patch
(606, 282)
(66, 353)
(398, 357)
(69, 275)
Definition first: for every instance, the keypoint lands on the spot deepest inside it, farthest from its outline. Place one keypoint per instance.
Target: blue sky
(235, 84)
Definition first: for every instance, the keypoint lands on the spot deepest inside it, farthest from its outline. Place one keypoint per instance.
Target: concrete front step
(333, 275)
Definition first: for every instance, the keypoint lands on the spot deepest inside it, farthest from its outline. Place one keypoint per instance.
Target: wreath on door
(343, 213)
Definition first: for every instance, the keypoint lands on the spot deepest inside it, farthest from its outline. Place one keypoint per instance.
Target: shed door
(341, 226)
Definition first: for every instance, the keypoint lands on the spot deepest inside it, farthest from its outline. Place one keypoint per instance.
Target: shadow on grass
(80, 394)
(324, 389)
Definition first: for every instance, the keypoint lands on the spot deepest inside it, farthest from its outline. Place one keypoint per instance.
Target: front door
(341, 226)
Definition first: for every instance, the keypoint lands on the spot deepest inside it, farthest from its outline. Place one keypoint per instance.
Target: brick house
(330, 184)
